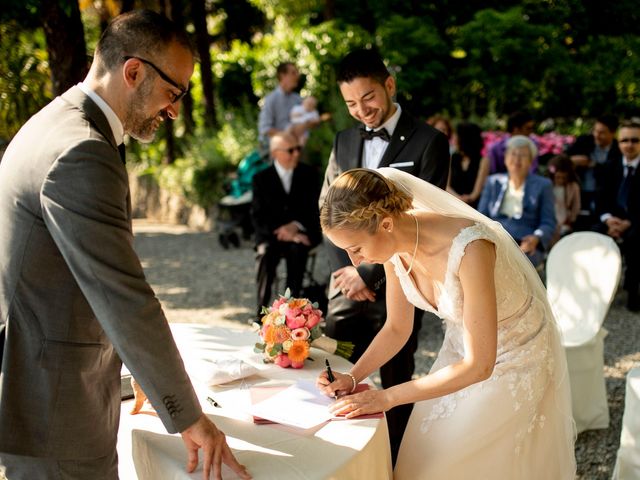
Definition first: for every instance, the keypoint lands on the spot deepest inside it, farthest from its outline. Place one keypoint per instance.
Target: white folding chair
(628, 460)
(583, 271)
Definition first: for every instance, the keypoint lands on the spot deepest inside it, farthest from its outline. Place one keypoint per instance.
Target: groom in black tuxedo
(285, 216)
(386, 137)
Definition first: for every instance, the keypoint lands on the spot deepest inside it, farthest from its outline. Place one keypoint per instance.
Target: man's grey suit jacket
(73, 297)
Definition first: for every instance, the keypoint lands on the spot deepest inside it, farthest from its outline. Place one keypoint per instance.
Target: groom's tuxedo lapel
(352, 149)
(401, 135)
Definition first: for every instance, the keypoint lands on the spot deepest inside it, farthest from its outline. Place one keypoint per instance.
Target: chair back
(583, 271)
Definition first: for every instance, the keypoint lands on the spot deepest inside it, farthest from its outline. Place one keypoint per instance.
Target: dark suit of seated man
(619, 207)
(285, 216)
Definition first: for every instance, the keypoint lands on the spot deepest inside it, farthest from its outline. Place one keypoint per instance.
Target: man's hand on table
(204, 434)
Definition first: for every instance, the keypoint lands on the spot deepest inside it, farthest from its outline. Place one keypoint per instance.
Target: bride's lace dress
(507, 427)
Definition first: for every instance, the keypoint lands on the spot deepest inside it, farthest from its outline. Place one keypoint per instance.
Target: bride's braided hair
(359, 199)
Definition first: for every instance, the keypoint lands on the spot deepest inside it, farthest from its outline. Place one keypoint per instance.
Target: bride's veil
(433, 199)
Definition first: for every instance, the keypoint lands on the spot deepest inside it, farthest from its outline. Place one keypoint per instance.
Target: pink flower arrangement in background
(551, 142)
(289, 328)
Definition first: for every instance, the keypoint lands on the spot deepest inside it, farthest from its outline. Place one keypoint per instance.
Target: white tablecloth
(353, 449)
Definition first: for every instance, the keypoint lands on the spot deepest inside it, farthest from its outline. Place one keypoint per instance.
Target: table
(352, 449)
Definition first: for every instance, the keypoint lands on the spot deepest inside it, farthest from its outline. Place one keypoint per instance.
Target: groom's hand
(204, 434)
(348, 280)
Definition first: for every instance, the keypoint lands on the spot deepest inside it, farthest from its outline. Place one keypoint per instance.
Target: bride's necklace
(415, 249)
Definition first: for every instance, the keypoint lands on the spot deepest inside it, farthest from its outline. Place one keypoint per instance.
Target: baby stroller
(234, 209)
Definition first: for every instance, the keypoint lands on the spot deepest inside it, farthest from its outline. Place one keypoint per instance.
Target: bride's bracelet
(353, 380)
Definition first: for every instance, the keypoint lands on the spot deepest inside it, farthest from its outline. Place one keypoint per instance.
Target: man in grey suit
(387, 137)
(74, 302)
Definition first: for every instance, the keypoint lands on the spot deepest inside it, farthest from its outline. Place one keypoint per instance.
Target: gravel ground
(198, 281)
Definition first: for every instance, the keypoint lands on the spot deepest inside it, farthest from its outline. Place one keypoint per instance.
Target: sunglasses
(297, 148)
(629, 140)
(163, 76)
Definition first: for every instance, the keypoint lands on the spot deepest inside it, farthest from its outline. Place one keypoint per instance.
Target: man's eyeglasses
(297, 148)
(629, 140)
(163, 76)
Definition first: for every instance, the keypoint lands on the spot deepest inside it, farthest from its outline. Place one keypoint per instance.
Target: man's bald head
(285, 149)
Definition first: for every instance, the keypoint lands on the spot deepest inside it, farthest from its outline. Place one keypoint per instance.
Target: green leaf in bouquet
(277, 348)
(264, 310)
(259, 347)
(315, 332)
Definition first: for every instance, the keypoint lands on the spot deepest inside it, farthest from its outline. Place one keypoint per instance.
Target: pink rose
(313, 319)
(293, 312)
(300, 334)
(277, 303)
(296, 322)
(297, 364)
(282, 360)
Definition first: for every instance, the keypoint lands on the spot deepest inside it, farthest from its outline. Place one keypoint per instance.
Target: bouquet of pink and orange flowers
(290, 326)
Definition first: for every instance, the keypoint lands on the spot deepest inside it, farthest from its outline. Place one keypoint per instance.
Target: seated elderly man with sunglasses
(285, 216)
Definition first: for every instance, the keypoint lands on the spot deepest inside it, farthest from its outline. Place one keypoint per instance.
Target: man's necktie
(123, 153)
(623, 192)
(369, 134)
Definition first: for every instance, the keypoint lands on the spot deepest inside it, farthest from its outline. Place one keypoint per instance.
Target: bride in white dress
(496, 403)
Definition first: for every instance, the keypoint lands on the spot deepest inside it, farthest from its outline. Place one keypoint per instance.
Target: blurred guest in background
(566, 193)
(304, 117)
(469, 169)
(591, 153)
(442, 123)
(521, 201)
(285, 216)
(618, 205)
(518, 123)
(275, 113)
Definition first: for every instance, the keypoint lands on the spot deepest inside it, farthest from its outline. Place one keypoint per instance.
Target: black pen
(330, 375)
(213, 402)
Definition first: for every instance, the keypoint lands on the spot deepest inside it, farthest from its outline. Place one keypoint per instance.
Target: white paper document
(301, 405)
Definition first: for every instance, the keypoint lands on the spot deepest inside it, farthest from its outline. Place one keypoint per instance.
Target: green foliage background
(563, 59)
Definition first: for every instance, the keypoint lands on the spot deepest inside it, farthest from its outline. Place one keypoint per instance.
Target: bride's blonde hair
(359, 199)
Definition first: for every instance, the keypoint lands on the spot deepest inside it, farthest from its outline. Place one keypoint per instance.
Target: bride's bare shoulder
(445, 226)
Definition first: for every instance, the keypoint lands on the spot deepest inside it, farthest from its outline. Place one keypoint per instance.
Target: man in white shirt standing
(275, 113)
(619, 207)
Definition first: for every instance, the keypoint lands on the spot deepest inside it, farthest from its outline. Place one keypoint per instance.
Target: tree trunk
(177, 7)
(329, 10)
(170, 152)
(66, 47)
(198, 15)
(127, 6)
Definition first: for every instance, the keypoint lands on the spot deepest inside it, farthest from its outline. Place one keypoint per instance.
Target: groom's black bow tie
(369, 134)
